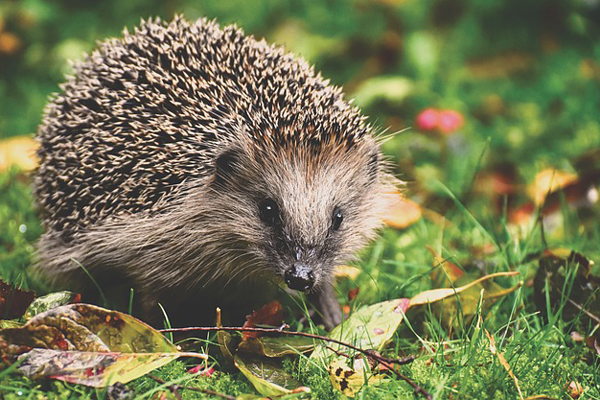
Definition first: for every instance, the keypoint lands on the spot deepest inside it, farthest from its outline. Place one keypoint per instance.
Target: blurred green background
(524, 74)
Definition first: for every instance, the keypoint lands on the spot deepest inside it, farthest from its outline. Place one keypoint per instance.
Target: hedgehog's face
(301, 212)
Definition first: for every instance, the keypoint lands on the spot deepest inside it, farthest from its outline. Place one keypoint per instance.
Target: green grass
(453, 361)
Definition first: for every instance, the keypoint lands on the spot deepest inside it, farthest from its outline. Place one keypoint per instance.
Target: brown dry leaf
(503, 361)
(346, 271)
(500, 66)
(13, 301)
(593, 343)
(589, 69)
(430, 296)
(9, 42)
(575, 389)
(353, 293)
(402, 213)
(557, 266)
(269, 314)
(443, 271)
(547, 181)
(19, 151)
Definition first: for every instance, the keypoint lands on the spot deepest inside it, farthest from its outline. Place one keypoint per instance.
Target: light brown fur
(182, 225)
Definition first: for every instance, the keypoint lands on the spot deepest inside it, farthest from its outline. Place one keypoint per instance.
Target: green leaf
(390, 88)
(48, 302)
(370, 327)
(268, 376)
(277, 346)
(86, 344)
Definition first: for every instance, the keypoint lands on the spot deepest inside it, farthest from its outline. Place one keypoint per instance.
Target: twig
(369, 353)
(174, 389)
(338, 353)
(418, 389)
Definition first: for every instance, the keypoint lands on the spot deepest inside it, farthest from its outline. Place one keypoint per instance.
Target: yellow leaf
(430, 296)
(19, 151)
(402, 213)
(346, 271)
(548, 181)
(346, 379)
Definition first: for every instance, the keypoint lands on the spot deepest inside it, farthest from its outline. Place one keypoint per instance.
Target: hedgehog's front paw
(327, 306)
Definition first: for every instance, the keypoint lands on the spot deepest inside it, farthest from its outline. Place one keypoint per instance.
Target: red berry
(450, 121)
(428, 119)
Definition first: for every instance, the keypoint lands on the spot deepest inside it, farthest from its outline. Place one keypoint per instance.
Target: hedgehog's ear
(225, 165)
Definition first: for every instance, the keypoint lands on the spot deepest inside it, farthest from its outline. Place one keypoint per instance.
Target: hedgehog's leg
(327, 305)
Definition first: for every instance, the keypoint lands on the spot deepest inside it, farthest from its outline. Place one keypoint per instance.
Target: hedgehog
(204, 168)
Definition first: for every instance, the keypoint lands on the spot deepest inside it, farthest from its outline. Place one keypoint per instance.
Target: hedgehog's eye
(269, 211)
(336, 219)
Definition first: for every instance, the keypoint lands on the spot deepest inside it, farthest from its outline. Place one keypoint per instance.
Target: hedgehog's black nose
(299, 277)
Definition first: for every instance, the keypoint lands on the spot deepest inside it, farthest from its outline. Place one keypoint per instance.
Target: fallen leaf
(50, 301)
(370, 327)
(593, 342)
(268, 376)
(277, 346)
(13, 301)
(346, 379)
(547, 181)
(402, 213)
(269, 314)
(575, 389)
(353, 293)
(557, 267)
(346, 271)
(444, 273)
(502, 361)
(96, 369)
(19, 151)
(102, 343)
(430, 296)
(227, 344)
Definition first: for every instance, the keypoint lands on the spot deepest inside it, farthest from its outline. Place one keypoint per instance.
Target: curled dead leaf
(19, 151)
(575, 389)
(269, 314)
(346, 271)
(547, 181)
(402, 213)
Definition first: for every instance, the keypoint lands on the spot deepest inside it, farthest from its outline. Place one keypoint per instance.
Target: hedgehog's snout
(299, 277)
